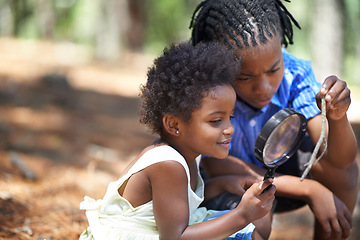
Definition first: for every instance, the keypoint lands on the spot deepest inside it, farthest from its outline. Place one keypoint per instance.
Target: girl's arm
(170, 200)
(254, 205)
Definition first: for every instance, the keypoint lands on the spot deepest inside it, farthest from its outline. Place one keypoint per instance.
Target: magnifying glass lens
(281, 140)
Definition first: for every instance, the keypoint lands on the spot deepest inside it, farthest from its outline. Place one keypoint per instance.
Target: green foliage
(301, 36)
(352, 37)
(168, 22)
(84, 22)
(76, 22)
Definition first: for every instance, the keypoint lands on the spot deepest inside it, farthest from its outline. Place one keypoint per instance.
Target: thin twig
(20, 164)
(322, 140)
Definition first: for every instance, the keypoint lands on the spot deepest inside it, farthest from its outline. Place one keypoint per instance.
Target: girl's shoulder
(161, 153)
(157, 154)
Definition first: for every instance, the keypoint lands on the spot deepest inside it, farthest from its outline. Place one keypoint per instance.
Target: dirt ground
(68, 128)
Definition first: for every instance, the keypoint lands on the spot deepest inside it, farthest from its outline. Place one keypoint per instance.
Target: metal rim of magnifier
(270, 126)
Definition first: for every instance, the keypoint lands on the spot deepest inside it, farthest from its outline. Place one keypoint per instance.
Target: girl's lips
(225, 144)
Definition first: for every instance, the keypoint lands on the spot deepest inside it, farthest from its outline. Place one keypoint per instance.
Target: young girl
(272, 79)
(188, 100)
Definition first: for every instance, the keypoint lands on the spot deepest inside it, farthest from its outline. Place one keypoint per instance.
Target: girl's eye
(215, 121)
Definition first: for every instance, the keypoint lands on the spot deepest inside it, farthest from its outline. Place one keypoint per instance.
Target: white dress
(113, 217)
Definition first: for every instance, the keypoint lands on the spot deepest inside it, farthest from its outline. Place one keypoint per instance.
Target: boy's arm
(231, 166)
(327, 208)
(342, 146)
(234, 184)
(331, 213)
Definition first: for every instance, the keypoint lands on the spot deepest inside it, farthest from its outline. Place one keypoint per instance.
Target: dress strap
(156, 155)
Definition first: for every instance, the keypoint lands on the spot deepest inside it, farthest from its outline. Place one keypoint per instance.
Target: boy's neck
(247, 104)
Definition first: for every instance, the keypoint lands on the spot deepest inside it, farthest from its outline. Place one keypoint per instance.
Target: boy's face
(261, 73)
(209, 129)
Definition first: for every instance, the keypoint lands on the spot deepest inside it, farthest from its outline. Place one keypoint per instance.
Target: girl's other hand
(337, 97)
(256, 202)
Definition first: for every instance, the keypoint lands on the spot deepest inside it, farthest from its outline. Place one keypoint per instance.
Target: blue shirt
(297, 90)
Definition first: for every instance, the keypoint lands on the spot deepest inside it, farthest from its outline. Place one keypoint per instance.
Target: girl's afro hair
(180, 78)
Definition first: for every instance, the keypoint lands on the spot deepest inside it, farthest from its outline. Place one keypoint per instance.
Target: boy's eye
(274, 70)
(243, 79)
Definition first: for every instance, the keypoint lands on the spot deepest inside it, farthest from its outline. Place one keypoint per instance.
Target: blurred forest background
(106, 28)
(70, 72)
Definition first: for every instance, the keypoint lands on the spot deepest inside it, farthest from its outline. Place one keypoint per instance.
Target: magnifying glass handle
(269, 174)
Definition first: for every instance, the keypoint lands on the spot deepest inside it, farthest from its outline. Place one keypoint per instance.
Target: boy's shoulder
(295, 64)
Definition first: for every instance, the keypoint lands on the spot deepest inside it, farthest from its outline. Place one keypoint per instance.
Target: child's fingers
(328, 84)
(340, 87)
(267, 191)
(337, 96)
(268, 204)
(342, 101)
(265, 184)
(334, 90)
(345, 226)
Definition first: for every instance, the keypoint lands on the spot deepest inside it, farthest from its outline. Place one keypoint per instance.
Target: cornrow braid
(286, 18)
(242, 23)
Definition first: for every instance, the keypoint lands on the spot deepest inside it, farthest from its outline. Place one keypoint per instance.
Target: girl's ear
(171, 124)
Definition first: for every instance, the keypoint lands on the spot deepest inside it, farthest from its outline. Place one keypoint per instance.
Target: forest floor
(67, 128)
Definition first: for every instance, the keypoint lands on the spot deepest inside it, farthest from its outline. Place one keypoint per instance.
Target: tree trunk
(109, 36)
(327, 38)
(45, 18)
(136, 30)
(6, 22)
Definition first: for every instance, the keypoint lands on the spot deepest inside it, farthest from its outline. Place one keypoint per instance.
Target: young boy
(272, 79)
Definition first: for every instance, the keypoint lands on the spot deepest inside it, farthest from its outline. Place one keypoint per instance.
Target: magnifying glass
(279, 139)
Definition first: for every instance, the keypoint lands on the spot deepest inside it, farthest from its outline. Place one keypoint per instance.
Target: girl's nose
(230, 129)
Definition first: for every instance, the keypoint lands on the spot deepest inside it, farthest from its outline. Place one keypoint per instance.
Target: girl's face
(209, 129)
(261, 73)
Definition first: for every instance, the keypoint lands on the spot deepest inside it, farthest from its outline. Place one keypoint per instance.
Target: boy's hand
(337, 97)
(330, 212)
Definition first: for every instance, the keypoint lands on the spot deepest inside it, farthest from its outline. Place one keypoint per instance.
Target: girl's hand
(256, 202)
(337, 97)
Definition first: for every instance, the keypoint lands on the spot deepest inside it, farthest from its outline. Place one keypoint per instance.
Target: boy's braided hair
(242, 23)
(180, 78)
